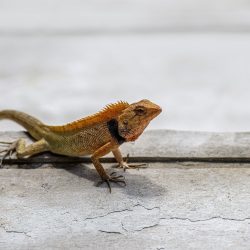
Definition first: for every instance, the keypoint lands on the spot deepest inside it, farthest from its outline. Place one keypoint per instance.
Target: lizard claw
(4, 156)
(112, 178)
(1, 162)
(124, 165)
(8, 152)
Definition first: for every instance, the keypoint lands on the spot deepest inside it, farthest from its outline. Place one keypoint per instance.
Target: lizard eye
(140, 110)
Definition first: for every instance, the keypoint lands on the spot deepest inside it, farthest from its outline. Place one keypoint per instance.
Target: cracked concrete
(212, 218)
(17, 232)
(120, 221)
(13, 231)
(170, 208)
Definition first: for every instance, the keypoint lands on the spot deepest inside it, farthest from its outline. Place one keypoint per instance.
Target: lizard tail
(31, 124)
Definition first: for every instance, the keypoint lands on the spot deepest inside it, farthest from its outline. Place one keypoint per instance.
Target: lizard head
(135, 118)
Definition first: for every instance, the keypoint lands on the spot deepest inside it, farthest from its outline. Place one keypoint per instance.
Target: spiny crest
(108, 112)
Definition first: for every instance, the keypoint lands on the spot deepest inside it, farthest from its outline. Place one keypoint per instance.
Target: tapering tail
(31, 124)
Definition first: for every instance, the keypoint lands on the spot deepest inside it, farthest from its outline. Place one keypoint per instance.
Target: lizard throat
(113, 130)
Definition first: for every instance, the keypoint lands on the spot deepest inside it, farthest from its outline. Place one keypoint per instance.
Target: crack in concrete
(109, 232)
(208, 219)
(104, 215)
(160, 219)
(120, 211)
(146, 227)
(147, 208)
(18, 232)
(122, 225)
(14, 231)
(190, 220)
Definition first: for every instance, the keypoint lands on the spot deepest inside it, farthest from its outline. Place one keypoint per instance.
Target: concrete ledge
(163, 146)
(185, 205)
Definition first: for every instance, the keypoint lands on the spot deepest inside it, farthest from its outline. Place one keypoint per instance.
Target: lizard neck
(113, 130)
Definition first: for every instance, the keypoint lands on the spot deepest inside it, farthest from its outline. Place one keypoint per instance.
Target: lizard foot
(124, 165)
(113, 178)
(8, 151)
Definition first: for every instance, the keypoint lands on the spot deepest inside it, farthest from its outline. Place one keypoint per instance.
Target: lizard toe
(120, 179)
(8, 152)
(125, 165)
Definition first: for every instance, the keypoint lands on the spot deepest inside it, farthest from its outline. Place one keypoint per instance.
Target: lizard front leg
(105, 149)
(22, 150)
(124, 164)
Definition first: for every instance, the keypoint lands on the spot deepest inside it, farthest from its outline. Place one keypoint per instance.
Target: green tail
(31, 124)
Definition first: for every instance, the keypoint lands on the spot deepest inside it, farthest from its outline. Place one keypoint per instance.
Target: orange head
(135, 118)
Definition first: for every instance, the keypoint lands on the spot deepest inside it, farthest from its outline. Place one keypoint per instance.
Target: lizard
(95, 135)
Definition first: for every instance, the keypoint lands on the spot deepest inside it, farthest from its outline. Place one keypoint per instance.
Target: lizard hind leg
(22, 150)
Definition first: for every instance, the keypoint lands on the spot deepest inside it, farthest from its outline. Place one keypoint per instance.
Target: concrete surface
(161, 208)
(188, 205)
(157, 144)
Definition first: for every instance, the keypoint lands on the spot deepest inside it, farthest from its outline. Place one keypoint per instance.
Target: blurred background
(64, 59)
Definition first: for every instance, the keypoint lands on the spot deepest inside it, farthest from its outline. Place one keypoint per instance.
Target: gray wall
(61, 60)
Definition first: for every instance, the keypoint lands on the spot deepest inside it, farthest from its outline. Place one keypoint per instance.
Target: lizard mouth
(125, 130)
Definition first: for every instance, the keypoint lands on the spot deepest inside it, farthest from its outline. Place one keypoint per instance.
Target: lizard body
(95, 135)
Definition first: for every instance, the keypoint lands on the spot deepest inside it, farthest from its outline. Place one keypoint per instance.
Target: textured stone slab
(164, 146)
(161, 208)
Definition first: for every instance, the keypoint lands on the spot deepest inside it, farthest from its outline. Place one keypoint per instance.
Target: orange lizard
(94, 135)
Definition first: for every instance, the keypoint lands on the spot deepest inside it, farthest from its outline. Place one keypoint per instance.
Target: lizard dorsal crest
(109, 112)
